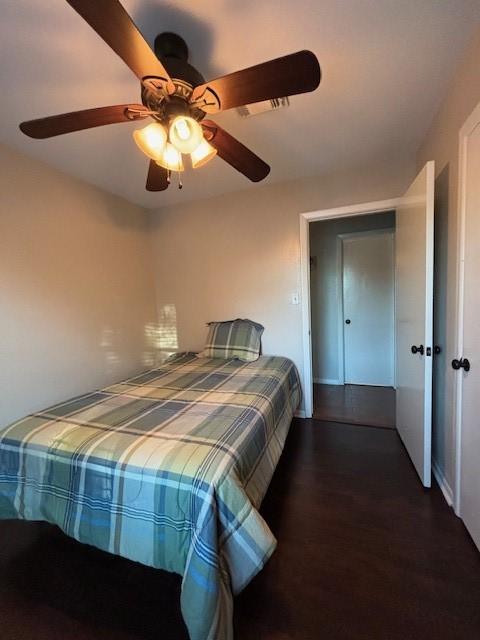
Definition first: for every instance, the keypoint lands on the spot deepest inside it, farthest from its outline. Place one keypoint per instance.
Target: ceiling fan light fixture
(151, 140)
(179, 103)
(202, 154)
(185, 134)
(170, 158)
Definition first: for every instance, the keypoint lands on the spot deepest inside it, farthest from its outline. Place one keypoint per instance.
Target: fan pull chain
(180, 183)
(169, 176)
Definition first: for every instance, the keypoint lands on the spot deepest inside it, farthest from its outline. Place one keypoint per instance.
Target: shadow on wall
(440, 301)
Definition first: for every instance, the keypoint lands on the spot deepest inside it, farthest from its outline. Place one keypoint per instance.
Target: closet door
(414, 320)
(467, 360)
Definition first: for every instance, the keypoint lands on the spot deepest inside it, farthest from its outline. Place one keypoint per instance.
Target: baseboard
(369, 384)
(442, 483)
(300, 413)
(326, 381)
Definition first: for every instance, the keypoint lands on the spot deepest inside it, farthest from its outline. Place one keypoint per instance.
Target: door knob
(463, 363)
(347, 321)
(419, 349)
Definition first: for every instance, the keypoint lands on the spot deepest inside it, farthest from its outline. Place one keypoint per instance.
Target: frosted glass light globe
(185, 134)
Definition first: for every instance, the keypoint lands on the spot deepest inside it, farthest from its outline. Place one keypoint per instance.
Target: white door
(468, 388)
(368, 298)
(414, 319)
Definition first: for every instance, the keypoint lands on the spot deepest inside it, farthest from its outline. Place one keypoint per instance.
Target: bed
(167, 468)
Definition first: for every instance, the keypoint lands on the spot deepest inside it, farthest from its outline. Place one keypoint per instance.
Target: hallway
(355, 404)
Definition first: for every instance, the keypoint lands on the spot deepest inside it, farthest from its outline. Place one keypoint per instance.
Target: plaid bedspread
(167, 468)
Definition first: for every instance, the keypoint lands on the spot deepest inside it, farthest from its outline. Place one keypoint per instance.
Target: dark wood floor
(364, 553)
(355, 404)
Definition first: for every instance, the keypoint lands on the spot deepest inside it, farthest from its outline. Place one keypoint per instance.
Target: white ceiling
(386, 65)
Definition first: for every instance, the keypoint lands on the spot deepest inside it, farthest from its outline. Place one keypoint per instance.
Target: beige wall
(238, 255)
(441, 145)
(76, 288)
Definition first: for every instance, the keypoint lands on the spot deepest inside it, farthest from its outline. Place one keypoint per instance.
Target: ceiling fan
(175, 95)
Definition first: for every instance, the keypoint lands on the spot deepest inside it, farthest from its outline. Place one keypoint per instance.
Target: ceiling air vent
(255, 109)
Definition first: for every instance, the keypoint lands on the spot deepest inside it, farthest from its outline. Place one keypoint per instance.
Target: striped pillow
(239, 339)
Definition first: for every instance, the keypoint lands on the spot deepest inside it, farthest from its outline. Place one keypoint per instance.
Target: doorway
(352, 307)
(414, 240)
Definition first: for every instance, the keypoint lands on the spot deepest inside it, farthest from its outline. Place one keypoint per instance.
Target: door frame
(464, 132)
(340, 310)
(306, 218)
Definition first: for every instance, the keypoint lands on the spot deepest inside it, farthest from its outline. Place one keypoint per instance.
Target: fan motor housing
(172, 51)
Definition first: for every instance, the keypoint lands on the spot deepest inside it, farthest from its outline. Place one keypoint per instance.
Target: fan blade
(78, 120)
(156, 178)
(113, 24)
(296, 73)
(235, 153)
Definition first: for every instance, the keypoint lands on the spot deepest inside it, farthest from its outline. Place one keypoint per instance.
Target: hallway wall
(324, 288)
